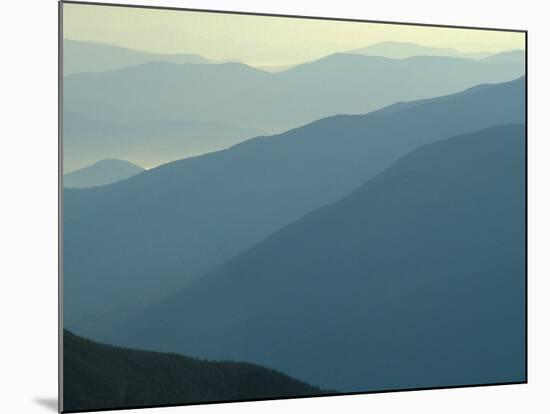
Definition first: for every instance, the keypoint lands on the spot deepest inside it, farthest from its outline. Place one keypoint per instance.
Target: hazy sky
(259, 40)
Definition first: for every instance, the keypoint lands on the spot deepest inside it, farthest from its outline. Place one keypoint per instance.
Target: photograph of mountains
(259, 207)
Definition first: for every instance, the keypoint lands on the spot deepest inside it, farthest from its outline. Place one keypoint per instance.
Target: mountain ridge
(340, 83)
(190, 231)
(396, 277)
(403, 50)
(85, 56)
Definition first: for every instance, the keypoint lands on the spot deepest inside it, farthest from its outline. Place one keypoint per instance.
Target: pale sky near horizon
(259, 40)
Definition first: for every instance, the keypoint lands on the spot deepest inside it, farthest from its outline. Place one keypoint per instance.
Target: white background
(28, 203)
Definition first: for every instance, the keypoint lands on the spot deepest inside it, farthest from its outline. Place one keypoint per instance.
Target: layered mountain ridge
(159, 230)
(416, 279)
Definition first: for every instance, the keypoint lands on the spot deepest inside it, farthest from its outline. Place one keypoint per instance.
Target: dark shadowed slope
(100, 173)
(241, 95)
(81, 56)
(414, 280)
(132, 242)
(98, 376)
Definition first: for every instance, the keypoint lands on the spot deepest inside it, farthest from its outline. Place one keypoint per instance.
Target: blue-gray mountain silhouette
(145, 143)
(416, 279)
(131, 242)
(402, 50)
(237, 94)
(79, 56)
(100, 173)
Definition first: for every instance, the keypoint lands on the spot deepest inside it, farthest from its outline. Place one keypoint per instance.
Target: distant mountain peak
(113, 161)
(401, 50)
(102, 172)
(515, 55)
(81, 56)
